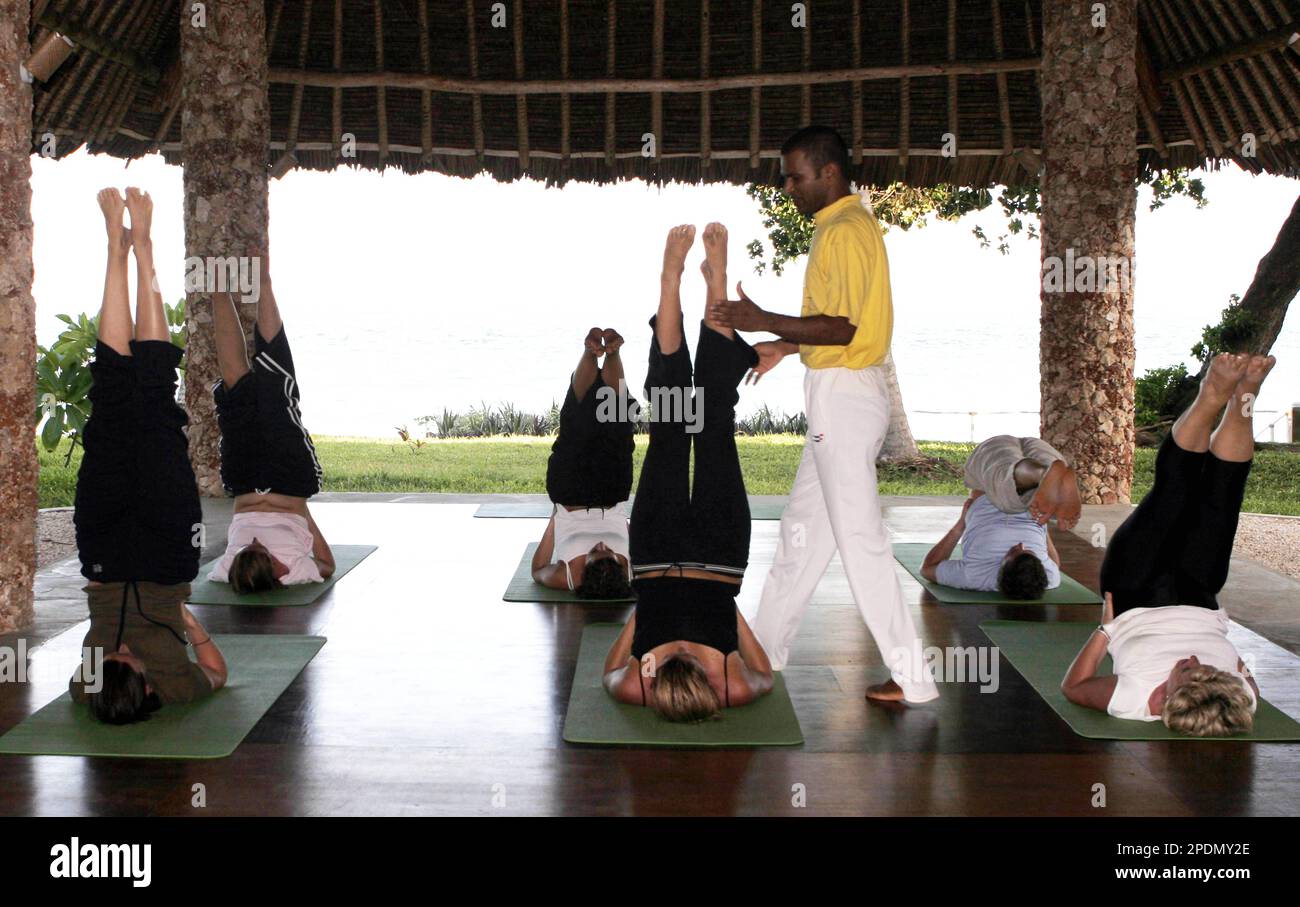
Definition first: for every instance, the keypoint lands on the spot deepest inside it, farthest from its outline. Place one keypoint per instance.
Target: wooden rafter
(756, 91)
(611, 98)
(1186, 36)
(381, 96)
(855, 88)
(657, 68)
(905, 89)
(1245, 72)
(805, 62)
(295, 109)
(426, 97)
(954, 118)
(1004, 100)
(1248, 48)
(1185, 89)
(521, 100)
(476, 101)
(417, 81)
(336, 99)
(706, 99)
(565, 112)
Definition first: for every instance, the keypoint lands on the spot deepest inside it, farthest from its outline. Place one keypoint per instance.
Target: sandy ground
(55, 538)
(1273, 541)
(1268, 540)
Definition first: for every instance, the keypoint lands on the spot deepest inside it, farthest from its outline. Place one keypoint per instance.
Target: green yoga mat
(758, 510)
(522, 588)
(261, 668)
(912, 554)
(1042, 653)
(205, 592)
(595, 718)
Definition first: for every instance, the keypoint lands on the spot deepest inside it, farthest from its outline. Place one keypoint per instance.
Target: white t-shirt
(578, 531)
(989, 535)
(1146, 643)
(285, 535)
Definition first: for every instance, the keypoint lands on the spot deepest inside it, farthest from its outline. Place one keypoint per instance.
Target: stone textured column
(225, 135)
(17, 327)
(1089, 90)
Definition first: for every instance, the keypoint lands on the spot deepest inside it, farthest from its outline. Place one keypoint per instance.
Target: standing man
(842, 335)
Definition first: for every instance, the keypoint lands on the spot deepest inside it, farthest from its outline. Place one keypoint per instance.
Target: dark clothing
(264, 445)
(669, 608)
(591, 460)
(146, 617)
(672, 525)
(1175, 547)
(137, 513)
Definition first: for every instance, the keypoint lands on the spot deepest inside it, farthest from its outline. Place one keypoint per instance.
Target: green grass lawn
(518, 466)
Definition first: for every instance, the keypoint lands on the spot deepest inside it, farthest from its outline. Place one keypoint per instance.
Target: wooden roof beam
(416, 81)
(1276, 39)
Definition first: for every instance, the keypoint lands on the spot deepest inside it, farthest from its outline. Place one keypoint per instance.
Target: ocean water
(404, 295)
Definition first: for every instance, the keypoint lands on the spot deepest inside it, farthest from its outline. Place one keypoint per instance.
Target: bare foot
(612, 339)
(141, 207)
(111, 203)
(885, 692)
(680, 240)
(1221, 380)
(715, 257)
(594, 342)
(1257, 369)
(1057, 496)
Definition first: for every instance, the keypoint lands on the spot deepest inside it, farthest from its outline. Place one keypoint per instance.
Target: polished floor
(433, 696)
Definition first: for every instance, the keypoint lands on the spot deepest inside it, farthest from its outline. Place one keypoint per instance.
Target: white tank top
(578, 531)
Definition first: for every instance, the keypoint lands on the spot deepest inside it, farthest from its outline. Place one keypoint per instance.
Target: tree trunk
(224, 136)
(1088, 82)
(1276, 283)
(899, 443)
(17, 328)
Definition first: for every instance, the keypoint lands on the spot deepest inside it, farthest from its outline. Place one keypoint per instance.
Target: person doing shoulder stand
(137, 513)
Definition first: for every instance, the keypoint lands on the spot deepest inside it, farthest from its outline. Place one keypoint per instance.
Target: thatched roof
(567, 90)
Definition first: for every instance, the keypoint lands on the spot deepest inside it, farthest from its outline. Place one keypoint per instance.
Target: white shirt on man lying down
(989, 535)
(1146, 643)
(285, 535)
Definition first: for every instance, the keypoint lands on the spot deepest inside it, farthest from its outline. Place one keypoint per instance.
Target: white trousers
(835, 505)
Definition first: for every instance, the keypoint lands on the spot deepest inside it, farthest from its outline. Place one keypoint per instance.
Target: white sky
(404, 294)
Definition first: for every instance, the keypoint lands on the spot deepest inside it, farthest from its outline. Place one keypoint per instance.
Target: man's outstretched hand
(770, 352)
(741, 314)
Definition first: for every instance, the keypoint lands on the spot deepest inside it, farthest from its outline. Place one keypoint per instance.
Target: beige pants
(991, 468)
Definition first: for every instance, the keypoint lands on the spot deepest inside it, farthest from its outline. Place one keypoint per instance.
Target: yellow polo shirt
(848, 275)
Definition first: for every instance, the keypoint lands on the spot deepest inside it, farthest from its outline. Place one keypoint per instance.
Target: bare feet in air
(885, 692)
(1257, 369)
(715, 256)
(612, 340)
(1057, 496)
(1221, 380)
(594, 342)
(141, 207)
(111, 203)
(680, 240)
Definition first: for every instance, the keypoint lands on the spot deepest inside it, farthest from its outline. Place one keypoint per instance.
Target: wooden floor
(433, 696)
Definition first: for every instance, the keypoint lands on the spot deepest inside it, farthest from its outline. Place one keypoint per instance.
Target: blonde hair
(683, 693)
(1210, 703)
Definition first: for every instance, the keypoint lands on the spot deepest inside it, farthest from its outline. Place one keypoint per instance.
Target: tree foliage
(789, 233)
(63, 375)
